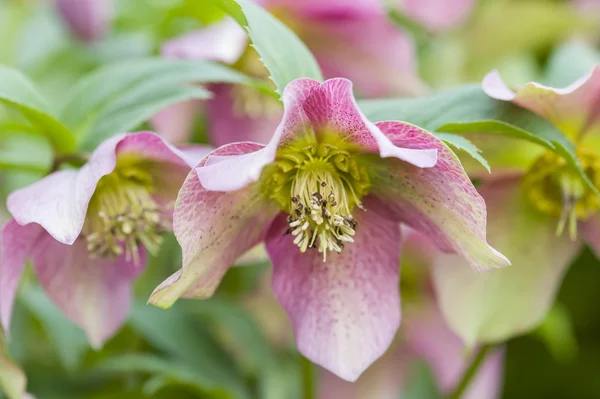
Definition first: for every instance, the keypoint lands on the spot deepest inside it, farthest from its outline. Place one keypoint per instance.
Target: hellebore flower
(354, 40)
(88, 19)
(327, 194)
(87, 231)
(539, 218)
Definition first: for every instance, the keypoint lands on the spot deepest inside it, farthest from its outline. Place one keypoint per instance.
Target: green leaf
(69, 340)
(117, 98)
(570, 62)
(421, 384)
(178, 333)
(22, 149)
(557, 332)
(284, 55)
(463, 144)
(12, 378)
(19, 93)
(467, 109)
(165, 372)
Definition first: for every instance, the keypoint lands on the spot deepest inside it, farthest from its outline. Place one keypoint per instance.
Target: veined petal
(16, 246)
(591, 233)
(332, 106)
(437, 15)
(233, 172)
(429, 338)
(574, 109)
(500, 304)
(93, 293)
(230, 125)
(214, 229)
(223, 41)
(345, 311)
(440, 202)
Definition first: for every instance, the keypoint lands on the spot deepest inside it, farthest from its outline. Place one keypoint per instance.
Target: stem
(470, 372)
(308, 378)
(78, 159)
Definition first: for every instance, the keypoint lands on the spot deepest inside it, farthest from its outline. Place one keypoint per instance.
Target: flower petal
(574, 109)
(429, 338)
(175, 123)
(440, 202)
(232, 172)
(223, 41)
(16, 246)
(345, 311)
(500, 304)
(228, 125)
(214, 229)
(88, 19)
(93, 293)
(367, 49)
(59, 201)
(332, 106)
(12, 378)
(331, 8)
(591, 233)
(438, 15)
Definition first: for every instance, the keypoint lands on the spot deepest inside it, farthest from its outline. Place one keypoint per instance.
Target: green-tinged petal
(499, 304)
(12, 378)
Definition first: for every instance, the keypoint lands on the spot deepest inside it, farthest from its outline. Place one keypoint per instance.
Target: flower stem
(308, 379)
(470, 372)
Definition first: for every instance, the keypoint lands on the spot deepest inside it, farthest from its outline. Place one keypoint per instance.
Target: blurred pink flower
(437, 15)
(87, 231)
(88, 19)
(539, 218)
(327, 194)
(349, 39)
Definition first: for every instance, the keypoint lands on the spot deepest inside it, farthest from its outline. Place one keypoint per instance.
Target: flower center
(248, 101)
(122, 216)
(318, 185)
(555, 189)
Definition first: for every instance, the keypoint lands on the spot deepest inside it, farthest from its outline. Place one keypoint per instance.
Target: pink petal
(330, 8)
(59, 201)
(224, 41)
(214, 229)
(232, 172)
(93, 293)
(500, 304)
(175, 123)
(228, 125)
(574, 109)
(369, 50)
(332, 106)
(590, 230)
(16, 246)
(345, 311)
(430, 339)
(88, 19)
(440, 202)
(438, 15)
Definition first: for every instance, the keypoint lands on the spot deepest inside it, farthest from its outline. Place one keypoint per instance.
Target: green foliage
(421, 384)
(283, 54)
(467, 109)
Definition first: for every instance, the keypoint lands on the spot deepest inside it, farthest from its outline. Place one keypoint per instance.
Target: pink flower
(437, 15)
(426, 338)
(327, 194)
(354, 40)
(87, 231)
(88, 19)
(539, 216)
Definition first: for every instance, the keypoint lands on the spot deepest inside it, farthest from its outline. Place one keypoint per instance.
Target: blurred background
(239, 344)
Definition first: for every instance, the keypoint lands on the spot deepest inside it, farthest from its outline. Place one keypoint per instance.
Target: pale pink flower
(327, 194)
(88, 19)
